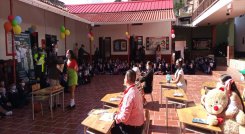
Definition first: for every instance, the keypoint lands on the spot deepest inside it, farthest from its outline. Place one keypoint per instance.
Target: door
(34, 39)
(101, 47)
(50, 39)
(105, 47)
(177, 55)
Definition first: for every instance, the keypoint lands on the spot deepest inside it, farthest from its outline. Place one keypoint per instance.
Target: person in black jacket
(148, 78)
(142, 54)
(81, 52)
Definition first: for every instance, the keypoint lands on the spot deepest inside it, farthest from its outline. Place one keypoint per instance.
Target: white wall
(145, 30)
(50, 23)
(180, 46)
(46, 22)
(239, 34)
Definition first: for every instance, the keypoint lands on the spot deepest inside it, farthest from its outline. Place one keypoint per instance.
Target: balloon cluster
(172, 33)
(91, 36)
(32, 29)
(64, 32)
(13, 23)
(127, 35)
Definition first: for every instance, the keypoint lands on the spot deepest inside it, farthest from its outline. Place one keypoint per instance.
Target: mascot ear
(203, 99)
(222, 88)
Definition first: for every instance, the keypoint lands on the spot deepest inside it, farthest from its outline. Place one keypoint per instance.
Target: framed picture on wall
(201, 43)
(123, 46)
(119, 45)
(153, 42)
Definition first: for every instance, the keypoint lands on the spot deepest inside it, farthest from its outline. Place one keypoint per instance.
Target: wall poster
(153, 42)
(23, 52)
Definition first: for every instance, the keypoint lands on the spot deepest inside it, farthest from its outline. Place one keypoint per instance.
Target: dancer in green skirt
(72, 77)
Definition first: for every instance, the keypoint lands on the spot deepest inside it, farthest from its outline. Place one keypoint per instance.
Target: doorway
(105, 47)
(177, 55)
(50, 39)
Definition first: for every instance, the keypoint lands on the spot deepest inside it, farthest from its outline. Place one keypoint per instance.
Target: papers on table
(178, 94)
(97, 111)
(115, 99)
(107, 117)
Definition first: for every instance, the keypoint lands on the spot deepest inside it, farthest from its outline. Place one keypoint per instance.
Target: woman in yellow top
(72, 68)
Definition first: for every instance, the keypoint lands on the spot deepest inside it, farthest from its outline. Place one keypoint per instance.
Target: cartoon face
(215, 101)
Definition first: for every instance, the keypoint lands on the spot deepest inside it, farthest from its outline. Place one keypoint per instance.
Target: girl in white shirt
(179, 75)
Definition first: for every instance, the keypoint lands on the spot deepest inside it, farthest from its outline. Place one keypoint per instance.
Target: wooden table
(166, 85)
(93, 122)
(187, 114)
(169, 95)
(208, 84)
(48, 92)
(106, 99)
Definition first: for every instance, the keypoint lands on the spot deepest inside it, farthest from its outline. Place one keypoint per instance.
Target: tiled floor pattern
(87, 98)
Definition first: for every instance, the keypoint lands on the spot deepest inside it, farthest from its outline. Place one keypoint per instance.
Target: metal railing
(203, 7)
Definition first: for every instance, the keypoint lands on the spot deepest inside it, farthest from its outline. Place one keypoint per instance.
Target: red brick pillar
(230, 54)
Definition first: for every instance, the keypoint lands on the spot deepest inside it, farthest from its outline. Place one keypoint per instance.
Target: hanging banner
(23, 52)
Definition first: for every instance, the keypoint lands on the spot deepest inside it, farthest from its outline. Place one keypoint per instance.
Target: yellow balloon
(67, 32)
(62, 35)
(17, 29)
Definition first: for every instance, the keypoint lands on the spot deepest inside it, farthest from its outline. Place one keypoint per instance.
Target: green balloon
(14, 23)
(62, 29)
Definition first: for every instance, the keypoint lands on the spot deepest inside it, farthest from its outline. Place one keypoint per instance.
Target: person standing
(39, 59)
(148, 78)
(76, 50)
(54, 68)
(72, 78)
(158, 53)
(96, 55)
(130, 118)
(81, 53)
(142, 54)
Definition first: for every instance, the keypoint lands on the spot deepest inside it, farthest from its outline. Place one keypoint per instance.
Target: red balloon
(7, 26)
(172, 31)
(10, 18)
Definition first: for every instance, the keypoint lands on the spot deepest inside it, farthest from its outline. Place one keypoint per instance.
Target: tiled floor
(88, 97)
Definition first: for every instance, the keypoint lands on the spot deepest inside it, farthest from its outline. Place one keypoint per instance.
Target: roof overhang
(129, 17)
(56, 10)
(125, 12)
(217, 12)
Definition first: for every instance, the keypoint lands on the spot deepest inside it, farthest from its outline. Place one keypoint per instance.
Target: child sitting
(23, 93)
(13, 96)
(5, 106)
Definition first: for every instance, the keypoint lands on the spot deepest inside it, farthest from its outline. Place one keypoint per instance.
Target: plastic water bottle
(168, 78)
(242, 78)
